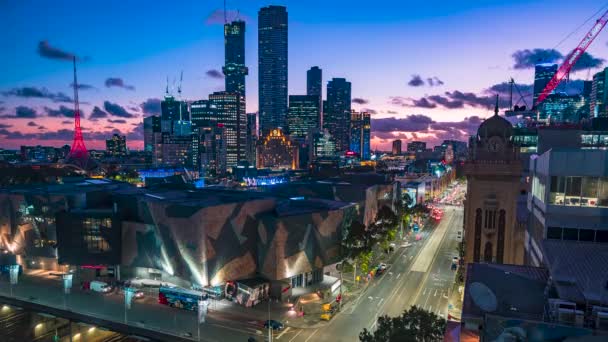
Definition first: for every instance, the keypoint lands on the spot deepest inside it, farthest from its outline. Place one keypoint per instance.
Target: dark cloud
(421, 103)
(22, 112)
(66, 122)
(217, 17)
(214, 73)
(370, 111)
(446, 102)
(416, 81)
(42, 93)
(469, 125)
(434, 81)
(116, 110)
(47, 51)
(98, 113)
(391, 112)
(360, 101)
(41, 127)
(109, 127)
(411, 123)
(586, 61)
(82, 86)
(398, 101)
(63, 111)
(526, 59)
(118, 121)
(2, 126)
(423, 127)
(118, 82)
(151, 106)
(32, 124)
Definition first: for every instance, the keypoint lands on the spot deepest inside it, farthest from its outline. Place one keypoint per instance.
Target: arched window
(477, 242)
(487, 252)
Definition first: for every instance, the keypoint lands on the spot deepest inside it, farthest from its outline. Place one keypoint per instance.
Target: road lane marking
(296, 335)
(283, 332)
(398, 275)
(435, 295)
(430, 308)
(424, 292)
(311, 335)
(411, 256)
(380, 302)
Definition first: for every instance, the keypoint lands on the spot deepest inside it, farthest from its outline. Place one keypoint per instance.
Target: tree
(415, 324)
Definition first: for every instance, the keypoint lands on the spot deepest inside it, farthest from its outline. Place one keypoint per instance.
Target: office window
(94, 232)
(556, 194)
(601, 236)
(586, 235)
(589, 191)
(573, 191)
(554, 233)
(570, 234)
(602, 192)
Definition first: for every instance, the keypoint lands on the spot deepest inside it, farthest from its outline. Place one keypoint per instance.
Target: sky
(426, 70)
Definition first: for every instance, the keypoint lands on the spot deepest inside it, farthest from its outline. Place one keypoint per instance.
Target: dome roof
(495, 126)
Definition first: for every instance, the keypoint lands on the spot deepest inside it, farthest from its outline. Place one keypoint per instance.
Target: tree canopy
(415, 325)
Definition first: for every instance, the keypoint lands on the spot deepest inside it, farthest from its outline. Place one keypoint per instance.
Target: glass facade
(574, 234)
(303, 116)
(595, 141)
(93, 230)
(337, 112)
(579, 191)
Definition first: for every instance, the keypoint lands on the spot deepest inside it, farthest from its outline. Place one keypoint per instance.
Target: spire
(496, 107)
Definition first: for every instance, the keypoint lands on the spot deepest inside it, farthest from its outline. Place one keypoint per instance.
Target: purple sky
(389, 53)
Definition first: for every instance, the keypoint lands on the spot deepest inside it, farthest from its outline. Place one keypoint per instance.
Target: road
(420, 274)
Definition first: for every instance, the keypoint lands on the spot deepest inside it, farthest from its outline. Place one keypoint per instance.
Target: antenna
(225, 17)
(179, 94)
(167, 87)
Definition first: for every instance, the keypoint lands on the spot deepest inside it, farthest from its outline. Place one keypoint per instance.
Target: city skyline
(410, 96)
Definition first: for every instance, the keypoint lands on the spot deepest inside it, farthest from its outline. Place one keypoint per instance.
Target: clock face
(495, 144)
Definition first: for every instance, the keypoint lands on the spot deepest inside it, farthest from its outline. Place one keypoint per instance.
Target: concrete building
(272, 67)
(277, 151)
(493, 232)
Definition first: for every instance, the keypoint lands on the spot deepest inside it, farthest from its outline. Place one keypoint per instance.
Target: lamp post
(129, 294)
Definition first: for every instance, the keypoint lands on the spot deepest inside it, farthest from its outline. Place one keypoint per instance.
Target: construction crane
(572, 58)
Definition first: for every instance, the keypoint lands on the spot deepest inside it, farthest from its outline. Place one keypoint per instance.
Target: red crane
(572, 58)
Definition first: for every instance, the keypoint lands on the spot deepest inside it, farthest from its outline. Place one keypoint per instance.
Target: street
(420, 275)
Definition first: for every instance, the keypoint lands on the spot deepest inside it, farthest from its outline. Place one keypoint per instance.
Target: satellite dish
(483, 297)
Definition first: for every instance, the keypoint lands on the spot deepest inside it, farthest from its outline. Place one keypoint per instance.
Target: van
(100, 286)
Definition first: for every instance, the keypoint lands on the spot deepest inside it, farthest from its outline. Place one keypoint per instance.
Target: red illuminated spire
(78, 153)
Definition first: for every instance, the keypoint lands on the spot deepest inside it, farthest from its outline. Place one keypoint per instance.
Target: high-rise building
(234, 68)
(322, 145)
(252, 137)
(229, 109)
(272, 67)
(176, 150)
(209, 150)
(561, 107)
(277, 151)
(173, 111)
(303, 116)
(598, 99)
(116, 146)
(153, 138)
(360, 134)
(314, 87)
(396, 147)
(202, 115)
(543, 73)
(336, 112)
(416, 146)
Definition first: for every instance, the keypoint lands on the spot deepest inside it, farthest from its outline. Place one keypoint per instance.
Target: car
(455, 260)
(380, 269)
(454, 267)
(274, 325)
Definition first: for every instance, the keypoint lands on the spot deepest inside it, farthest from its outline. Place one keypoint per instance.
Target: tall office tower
(337, 112)
(542, 75)
(202, 115)
(598, 98)
(153, 139)
(561, 107)
(322, 145)
(229, 109)
(116, 146)
(360, 134)
(303, 116)
(272, 67)
(314, 86)
(173, 111)
(209, 150)
(252, 137)
(234, 68)
(396, 147)
(416, 146)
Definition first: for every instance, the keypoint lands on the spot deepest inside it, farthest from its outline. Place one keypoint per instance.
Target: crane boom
(572, 58)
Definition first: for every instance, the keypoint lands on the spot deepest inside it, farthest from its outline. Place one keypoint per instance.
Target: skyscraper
(116, 146)
(314, 87)
(360, 134)
(599, 95)
(542, 75)
(337, 112)
(303, 116)
(272, 67)
(396, 147)
(234, 68)
(172, 111)
(252, 137)
(229, 109)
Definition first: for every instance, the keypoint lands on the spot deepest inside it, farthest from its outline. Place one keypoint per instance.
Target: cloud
(82, 86)
(391, 112)
(63, 111)
(586, 61)
(446, 102)
(22, 112)
(2, 126)
(434, 81)
(422, 103)
(98, 113)
(118, 82)
(32, 124)
(42, 93)
(370, 111)
(137, 133)
(66, 122)
(416, 81)
(151, 106)
(217, 17)
(214, 73)
(41, 127)
(360, 101)
(526, 59)
(118, 121)
(116, 110)
(47, 51)
(411, 123)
